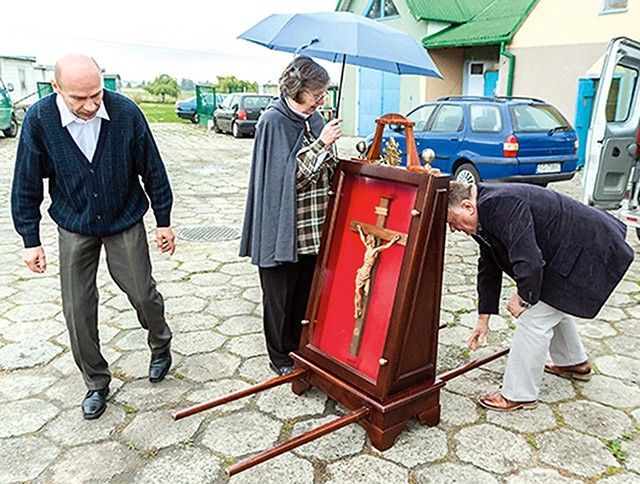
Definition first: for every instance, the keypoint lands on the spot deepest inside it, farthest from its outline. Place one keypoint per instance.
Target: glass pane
(477, 68)
(613, 5)
(374, 11)
(623, 87)
(449, 118)
(537, 117)
(420, 116)
(485, 118)
(390, 9)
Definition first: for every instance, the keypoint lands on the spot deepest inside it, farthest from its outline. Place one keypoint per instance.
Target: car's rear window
(256, 102)
(536, 117)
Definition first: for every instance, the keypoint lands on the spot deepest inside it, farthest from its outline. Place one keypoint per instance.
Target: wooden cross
(366, 273)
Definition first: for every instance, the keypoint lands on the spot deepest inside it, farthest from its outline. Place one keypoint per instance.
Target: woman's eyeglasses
(317, 97)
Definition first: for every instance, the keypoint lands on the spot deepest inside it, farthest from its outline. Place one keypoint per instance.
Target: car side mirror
(9, 87)
(398, 128)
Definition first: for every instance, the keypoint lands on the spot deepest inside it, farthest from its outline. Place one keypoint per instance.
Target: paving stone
(143, 395)
(365, 469)
(19, 461)
(253, 294)
(540, 476)
(79, 463)
(33, 312)
(156, 430)
(186, 323)
(70, 428)
(347, 441)
(610, 313)
(209, 279)
(248, 345)
(623, 478)
(197, 342)
(24, 383)
(624, 345)
(32, 331)
(216, 389)
(244, 282)
(577, 453)
(285, 468)
(416, 445)
(632, 460)
(256, 369)
(596, 329)
(492, 448)
(134, 365)
(232, 307)
(27, 354)
(240, 268)
(186, 465)
(209, 366)
(619, 366)
(596, 419)
(48, 295)
(530, 421)
(241, 325)
(124, 319)
(475, 383)
(457, 303)
(135, 339)
(457, 410)
(25, 416)
(184, 305)
(612, 392)
(448, 472)
(235, 435)
(285, 404)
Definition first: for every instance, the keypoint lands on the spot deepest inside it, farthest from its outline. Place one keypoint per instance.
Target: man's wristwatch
(524, 304)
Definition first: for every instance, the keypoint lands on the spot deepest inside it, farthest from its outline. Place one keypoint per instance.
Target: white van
(611, 178)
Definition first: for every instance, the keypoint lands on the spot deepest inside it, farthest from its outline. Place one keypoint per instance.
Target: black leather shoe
(94, 403)
(281, 370)
(159, 366)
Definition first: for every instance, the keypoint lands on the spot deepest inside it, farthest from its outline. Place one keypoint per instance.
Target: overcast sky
(193, 39)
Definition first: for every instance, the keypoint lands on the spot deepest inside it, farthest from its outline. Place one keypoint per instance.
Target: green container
(44, 89)
(206, 103)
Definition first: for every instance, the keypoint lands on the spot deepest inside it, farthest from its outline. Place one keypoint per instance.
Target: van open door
(612, 143)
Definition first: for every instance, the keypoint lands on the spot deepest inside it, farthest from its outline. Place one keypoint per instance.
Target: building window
(477, 69)
(22, 75)
(613, 6)
(381, 9)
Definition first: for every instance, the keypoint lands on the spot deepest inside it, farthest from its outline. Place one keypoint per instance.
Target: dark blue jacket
(101, 197)
(556, 249)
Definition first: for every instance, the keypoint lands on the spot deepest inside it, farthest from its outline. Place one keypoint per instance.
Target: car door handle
(454, 139)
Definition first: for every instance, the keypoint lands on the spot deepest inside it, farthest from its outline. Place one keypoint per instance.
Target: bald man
(95, 147)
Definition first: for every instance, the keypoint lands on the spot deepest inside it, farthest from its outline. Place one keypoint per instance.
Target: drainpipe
(512, 61)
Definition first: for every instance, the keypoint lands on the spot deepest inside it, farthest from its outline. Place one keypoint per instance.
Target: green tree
(187, 85)
(163, 85)
(233, 84)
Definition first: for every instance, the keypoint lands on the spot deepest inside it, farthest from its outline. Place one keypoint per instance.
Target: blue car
(493, 138)
(187, 108)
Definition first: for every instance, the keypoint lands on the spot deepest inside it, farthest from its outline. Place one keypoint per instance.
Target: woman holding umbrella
(292, 167)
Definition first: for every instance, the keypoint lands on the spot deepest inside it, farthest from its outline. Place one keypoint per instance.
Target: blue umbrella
(344, 37)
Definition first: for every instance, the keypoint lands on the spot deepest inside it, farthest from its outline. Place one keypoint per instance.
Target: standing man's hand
(34, 258)
(514, 307)
(166, 240)
(479, 332)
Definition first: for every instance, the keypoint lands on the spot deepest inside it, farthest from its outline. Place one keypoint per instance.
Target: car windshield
(537, 117)
(254, 102)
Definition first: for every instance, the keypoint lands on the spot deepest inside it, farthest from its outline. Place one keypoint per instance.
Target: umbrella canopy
(344, 37)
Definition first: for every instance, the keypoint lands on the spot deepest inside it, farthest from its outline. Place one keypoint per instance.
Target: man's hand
(479, 332)
(166, 240)
(514, 307)
(34, 258)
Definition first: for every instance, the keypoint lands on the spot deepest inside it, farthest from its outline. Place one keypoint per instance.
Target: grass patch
(615, 447)
(185, 444)
(149, 454)
(161, 113)
(129, 409)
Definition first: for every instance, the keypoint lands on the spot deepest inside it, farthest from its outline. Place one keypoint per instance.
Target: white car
(612, 165)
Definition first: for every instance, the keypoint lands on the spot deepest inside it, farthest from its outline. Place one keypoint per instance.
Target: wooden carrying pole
(299, 440)
(274, 382)
(448, 375)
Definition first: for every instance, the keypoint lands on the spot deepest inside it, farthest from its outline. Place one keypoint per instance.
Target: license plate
(548, 168)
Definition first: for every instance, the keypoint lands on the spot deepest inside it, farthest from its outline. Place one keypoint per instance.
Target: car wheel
(236, 131)
(216, 128)
(12, 130)
(467, 173)
(195, 118)
(638, 232)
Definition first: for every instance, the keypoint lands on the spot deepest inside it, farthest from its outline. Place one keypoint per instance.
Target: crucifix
(372, 237)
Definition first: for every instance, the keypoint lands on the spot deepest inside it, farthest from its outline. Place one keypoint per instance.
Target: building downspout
(512, 61)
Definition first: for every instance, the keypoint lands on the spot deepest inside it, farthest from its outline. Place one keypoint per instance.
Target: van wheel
(467, 173)
(236, 131)
(12, 130)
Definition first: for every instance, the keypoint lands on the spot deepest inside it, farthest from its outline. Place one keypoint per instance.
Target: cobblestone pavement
(581, 432)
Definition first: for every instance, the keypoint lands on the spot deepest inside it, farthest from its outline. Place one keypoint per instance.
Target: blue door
(584, 107)
(490, 83)
(379, 93)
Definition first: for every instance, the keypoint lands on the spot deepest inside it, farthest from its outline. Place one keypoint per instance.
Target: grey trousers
(539, 329)
(130, 267)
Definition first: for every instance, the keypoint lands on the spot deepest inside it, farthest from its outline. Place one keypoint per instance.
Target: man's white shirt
(84, 133)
